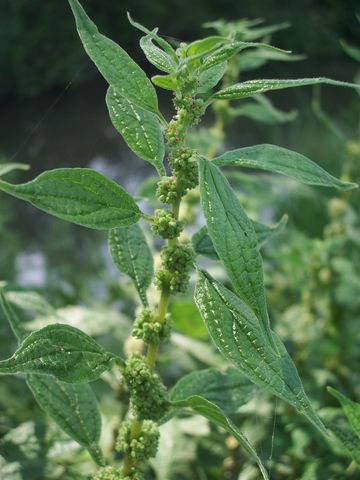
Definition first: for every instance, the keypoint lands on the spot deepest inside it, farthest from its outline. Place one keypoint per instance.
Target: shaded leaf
(213, 413)
(351, 50)
(281, 160)
(162, 60)
(348, 439)
(167, 82)
(14, 321)
(211, 77)
(140, 129)
(132, 256)
(118, 69)
(236, 332)
(78, 195)
(9, 167)
(264, 111)
(73, 407)
(254, 87)
(351, 409)
(60, 350)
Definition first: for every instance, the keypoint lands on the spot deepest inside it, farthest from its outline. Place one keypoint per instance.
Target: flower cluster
(176, 260)
(140, 448)
(111, 473)
(166, 225)
(148, 394)
(185, 167)
(148, 329)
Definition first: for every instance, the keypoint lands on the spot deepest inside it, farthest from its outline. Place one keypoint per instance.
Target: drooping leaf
(236, 332)
(228, 389)
(30, 301)
(227, 51)
(132, 256)
(211, 77)
(73, 407)
(118, 69)
(140, 129)
(281, 160)
(78, 195)
(162, 60)
(213, 413)
(167, 82)
(203, 245)
(351, 409)
(250, 60)
(62, 351)
(254, 87)
(9, 167)
(234, 239)
(262, 110)
(153, 34)
(14, 321)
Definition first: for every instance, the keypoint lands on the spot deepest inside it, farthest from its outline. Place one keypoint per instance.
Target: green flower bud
(110, 473)
(167, 190)
(149, 330)
(148, 394)
(144, 446)
(166, 225)
(177, 258)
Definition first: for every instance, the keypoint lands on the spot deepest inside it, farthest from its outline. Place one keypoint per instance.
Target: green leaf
(236, 332)
(254, 87)
(211, 77)
(228, 389)
(60, 350)
(140, 129)
(78, 195)
(204, 45)
(227, 51)
(183, 309)
(352, 51)
(348, 439)
(32, 302)
(264, 111)
(73, 407)
(118, 69)
(9, 167)
(281, 160)
(132, 256)
(203, 245)
(234, 239)
(214, 414)
(153, 34)
(11, 316)
(162, 60)
(351, 409)
(167, 82)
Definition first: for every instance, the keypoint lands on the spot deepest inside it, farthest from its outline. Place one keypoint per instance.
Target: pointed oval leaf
(62, 351)
(253, 87)
(204, 45)
(281, 160)
(118, 69)
(236, 332)
(213, 413)
(348, 439)
(211, 77)
(73, 407)
(132, 256)
(78, 195)
(162, 60)
(234, 239)
(140, 129)
(9, 167)
(228, 389)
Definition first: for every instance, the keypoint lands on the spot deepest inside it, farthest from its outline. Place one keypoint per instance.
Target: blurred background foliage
(54, 115)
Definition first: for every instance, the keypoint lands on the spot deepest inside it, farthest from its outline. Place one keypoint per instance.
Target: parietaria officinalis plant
(59, 360)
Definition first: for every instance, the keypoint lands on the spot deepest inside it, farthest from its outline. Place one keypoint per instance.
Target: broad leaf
(227, 51)
(228, 389)
(132, 256)
(234, 239)
(281, 160)
(167, 82)
(119, 70)
(253, 87)
(60, 350)
(162, 60)
(78, 195)
(236, 332)
(9, 167)
(203, 245)
(213, 413)
(351, 409)
(73, 407)
(204, 45)
(211, 77)
(139, 128)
